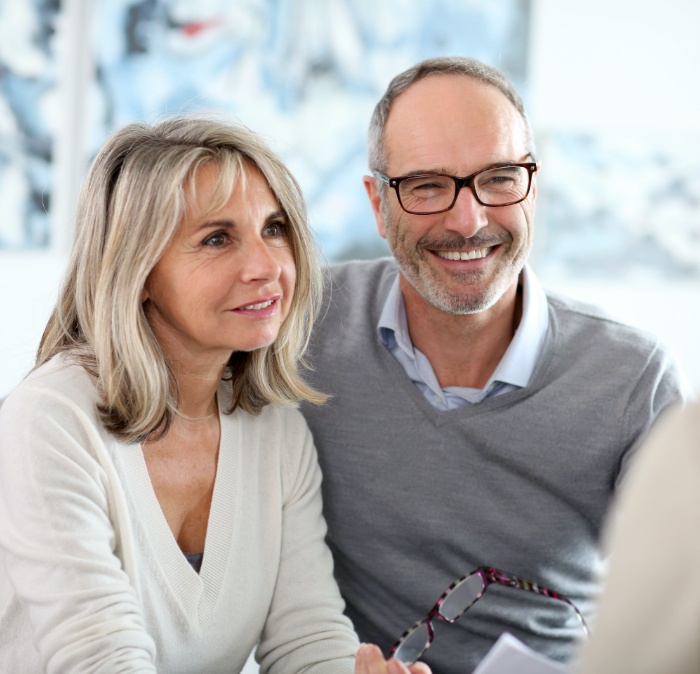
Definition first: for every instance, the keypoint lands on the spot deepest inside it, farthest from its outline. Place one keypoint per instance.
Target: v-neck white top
(92, 579)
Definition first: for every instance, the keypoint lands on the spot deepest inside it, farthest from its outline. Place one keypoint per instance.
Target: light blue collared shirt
(512, 372)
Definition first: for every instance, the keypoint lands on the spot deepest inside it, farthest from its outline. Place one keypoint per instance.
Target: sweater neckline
(197, 594)
(442, 417)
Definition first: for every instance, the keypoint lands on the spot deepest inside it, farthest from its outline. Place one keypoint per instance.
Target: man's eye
(428, 184)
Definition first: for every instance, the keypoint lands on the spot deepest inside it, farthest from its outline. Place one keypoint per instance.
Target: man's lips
(474, 254)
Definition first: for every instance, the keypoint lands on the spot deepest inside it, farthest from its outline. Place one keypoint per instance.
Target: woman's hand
(371, 661)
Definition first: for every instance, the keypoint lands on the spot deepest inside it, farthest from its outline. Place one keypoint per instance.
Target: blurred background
(611, 88)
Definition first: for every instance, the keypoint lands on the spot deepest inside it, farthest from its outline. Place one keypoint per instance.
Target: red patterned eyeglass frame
(489, 575)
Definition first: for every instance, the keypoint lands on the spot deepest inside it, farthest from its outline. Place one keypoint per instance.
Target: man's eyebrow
(444, 171)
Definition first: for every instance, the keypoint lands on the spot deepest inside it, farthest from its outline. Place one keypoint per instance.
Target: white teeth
(255, 307)
(458, 255)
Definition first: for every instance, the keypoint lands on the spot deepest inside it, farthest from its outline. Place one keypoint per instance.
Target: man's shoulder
(362, 273)
(620, 360)
(586, 317)
(355, 295)
(360, 285)
(588, 335)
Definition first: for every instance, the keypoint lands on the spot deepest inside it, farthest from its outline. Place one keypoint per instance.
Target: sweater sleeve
(660, 386)
(59, 542)
(305, 630)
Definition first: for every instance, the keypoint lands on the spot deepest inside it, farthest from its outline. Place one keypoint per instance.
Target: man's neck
(463, 350)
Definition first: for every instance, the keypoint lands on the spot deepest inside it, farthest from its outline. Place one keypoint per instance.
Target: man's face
(455, 125)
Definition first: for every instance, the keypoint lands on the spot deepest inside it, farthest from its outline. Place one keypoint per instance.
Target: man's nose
(467, 216)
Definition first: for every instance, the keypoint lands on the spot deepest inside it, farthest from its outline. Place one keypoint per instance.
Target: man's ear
(533, 185)
(370, 184)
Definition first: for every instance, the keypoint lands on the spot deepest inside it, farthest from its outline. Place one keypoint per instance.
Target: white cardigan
(92, 579)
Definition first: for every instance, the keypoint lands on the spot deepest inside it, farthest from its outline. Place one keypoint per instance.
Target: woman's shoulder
(58, 383)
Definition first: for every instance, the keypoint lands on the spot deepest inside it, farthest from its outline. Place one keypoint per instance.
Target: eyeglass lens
(494, 187)
(458, 600)
(461, 597)
(413, 644)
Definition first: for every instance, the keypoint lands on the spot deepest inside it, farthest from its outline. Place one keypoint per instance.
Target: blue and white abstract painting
(619, 206)
(306, 74)
(28, 87)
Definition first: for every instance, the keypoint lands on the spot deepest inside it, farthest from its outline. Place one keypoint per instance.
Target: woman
(159, 495)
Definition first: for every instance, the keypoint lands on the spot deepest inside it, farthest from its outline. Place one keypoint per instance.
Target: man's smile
(464, 254)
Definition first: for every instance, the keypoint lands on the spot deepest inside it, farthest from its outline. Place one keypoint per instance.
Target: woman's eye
(276, 229)
(218, 239)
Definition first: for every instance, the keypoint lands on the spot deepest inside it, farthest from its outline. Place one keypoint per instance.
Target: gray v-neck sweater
(416, 497)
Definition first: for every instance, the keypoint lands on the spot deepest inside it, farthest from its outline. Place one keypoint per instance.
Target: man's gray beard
(429, 289)
(457, 305)
(461, 304)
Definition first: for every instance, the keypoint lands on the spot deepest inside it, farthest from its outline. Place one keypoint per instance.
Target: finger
(396, 667)
(419, 668)
(370, 660)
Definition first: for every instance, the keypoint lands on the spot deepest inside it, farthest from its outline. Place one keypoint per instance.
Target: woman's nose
(260, 264)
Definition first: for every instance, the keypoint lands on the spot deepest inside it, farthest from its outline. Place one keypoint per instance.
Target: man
(474, 420)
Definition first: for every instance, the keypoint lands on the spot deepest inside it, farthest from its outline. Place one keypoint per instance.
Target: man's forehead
(440, 118)
(460, 96)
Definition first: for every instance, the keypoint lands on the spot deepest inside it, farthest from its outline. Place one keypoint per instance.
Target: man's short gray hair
(443, 65)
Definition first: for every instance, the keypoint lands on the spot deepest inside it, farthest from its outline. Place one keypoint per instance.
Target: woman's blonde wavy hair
(129, 208)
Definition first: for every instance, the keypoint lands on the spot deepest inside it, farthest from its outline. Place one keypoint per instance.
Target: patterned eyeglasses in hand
(459, 598)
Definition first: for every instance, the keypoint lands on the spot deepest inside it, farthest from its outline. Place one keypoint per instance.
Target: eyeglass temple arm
(502, 578)
(382, 177)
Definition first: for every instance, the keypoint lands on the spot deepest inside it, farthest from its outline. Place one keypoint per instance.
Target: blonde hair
(129, 208)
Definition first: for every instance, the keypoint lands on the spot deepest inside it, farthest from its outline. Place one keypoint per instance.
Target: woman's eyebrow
(226, 223)
(277, 215)
(229, 223)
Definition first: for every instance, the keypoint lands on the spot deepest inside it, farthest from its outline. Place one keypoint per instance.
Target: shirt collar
(518, 362)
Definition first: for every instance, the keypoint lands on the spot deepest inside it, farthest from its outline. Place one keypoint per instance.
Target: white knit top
(92, 579)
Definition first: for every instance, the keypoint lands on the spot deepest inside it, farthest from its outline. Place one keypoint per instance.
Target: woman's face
(226, 280)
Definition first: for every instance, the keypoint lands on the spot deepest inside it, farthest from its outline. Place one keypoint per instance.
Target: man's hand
(371, 661)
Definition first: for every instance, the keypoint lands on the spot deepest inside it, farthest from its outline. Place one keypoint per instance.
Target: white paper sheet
(511, 656)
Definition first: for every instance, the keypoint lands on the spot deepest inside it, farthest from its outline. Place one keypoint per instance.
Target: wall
(629, 64)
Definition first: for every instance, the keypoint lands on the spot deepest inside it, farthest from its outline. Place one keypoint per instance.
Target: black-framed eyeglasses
(457, 600)
(430, 193)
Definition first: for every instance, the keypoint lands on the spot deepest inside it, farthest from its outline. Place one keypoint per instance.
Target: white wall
(615, 63)
(608, 65)
(28, 289)
(598, 64)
